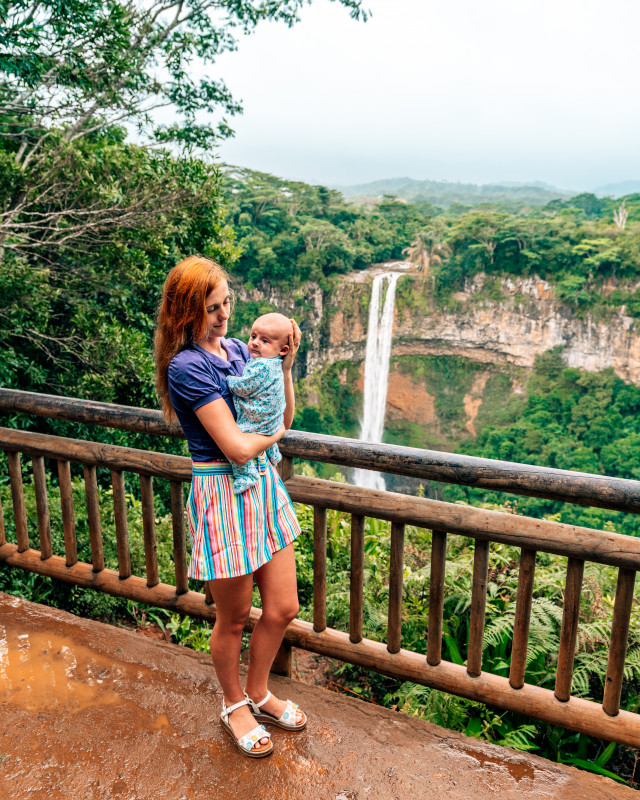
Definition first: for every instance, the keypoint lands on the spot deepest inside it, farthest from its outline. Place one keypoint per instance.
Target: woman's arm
(239, 447)
(290, 399)
(287, 363)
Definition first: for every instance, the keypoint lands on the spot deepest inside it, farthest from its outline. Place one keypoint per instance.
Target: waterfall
(376, 371)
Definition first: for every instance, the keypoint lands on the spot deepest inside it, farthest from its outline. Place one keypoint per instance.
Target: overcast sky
(460, 90)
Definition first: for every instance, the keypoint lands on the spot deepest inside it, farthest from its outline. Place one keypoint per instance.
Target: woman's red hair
(182, 317)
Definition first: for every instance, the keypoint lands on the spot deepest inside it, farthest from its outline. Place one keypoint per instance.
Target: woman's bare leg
(276, 581)
(232, 597)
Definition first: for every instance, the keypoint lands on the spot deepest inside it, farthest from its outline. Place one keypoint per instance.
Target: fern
(499, 629)
(632, 665)
(592, 634)
(580, 683)
(521, 738)
(437, 707)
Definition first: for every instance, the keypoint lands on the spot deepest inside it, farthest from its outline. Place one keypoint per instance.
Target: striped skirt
(235, 534)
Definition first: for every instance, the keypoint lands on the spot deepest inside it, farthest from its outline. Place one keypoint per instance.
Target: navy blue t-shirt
(196, 377)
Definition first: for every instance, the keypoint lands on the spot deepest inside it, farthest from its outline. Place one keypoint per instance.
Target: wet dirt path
(93, 712)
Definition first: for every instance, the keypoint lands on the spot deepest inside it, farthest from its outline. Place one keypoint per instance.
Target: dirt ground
(93, 712)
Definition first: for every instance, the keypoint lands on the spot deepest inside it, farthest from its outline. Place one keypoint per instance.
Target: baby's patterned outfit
(258, 395)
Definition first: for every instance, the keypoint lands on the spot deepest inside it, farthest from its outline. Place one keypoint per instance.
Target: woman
(235, 538)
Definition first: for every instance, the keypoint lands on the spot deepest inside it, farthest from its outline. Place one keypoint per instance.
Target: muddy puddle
(518, 769)
(44, 672)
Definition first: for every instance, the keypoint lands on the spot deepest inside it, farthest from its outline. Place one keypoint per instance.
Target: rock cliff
(511, 324)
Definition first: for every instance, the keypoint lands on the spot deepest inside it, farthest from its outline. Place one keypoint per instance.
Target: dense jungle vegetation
(90, 224)
(296, 233)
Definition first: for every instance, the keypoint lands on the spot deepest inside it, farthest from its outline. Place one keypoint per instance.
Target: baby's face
(269, 336)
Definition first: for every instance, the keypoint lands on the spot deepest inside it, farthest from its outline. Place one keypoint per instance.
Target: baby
(258, 394)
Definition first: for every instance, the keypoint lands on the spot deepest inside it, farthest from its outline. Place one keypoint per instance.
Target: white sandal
(246, 743)
(286, 721)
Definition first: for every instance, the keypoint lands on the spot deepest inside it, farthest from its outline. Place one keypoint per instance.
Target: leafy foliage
(294, 232)
(80, 66)
(571, 420)
(579, 251)
(457, 713)
(72, 73)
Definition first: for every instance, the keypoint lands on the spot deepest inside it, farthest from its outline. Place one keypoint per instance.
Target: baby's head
(270, 336)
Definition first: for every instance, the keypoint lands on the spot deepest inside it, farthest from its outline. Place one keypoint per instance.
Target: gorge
(510, 324)
(485, 337)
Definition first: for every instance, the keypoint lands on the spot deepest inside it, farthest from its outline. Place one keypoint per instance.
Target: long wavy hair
(182, 317)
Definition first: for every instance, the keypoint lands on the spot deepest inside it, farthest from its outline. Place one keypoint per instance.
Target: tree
(81, 65)
(70, 69)
(593, 206)
(620, 216)
(429, 247)
(597, 254)
(99, 189)
(478, 234)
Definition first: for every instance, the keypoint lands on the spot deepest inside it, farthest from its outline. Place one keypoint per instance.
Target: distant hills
(446, 194)
(618, 189)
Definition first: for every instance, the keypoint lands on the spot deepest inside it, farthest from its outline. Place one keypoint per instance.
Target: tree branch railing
(577, 544)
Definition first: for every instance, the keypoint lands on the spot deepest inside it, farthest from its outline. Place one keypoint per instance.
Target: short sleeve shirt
(197, 377)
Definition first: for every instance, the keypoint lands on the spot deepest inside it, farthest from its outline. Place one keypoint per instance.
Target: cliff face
(512, 324)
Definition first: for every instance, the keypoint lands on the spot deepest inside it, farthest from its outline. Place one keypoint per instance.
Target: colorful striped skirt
(235, 534)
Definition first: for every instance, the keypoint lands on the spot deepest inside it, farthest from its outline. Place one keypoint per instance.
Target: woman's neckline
(225, 351)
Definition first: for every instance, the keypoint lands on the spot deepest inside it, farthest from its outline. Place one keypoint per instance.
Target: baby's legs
(244, 476)
(273, 454)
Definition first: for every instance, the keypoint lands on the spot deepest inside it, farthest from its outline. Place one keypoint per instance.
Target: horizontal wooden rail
(505, 476)
(580, 715)
(115, 457)
(551, 537)
(73, 409)
(572, 541)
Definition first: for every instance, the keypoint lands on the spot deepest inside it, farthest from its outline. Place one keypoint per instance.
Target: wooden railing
(578, 544)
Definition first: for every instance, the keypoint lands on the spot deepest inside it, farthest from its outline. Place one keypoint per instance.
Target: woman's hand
(294, 343)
